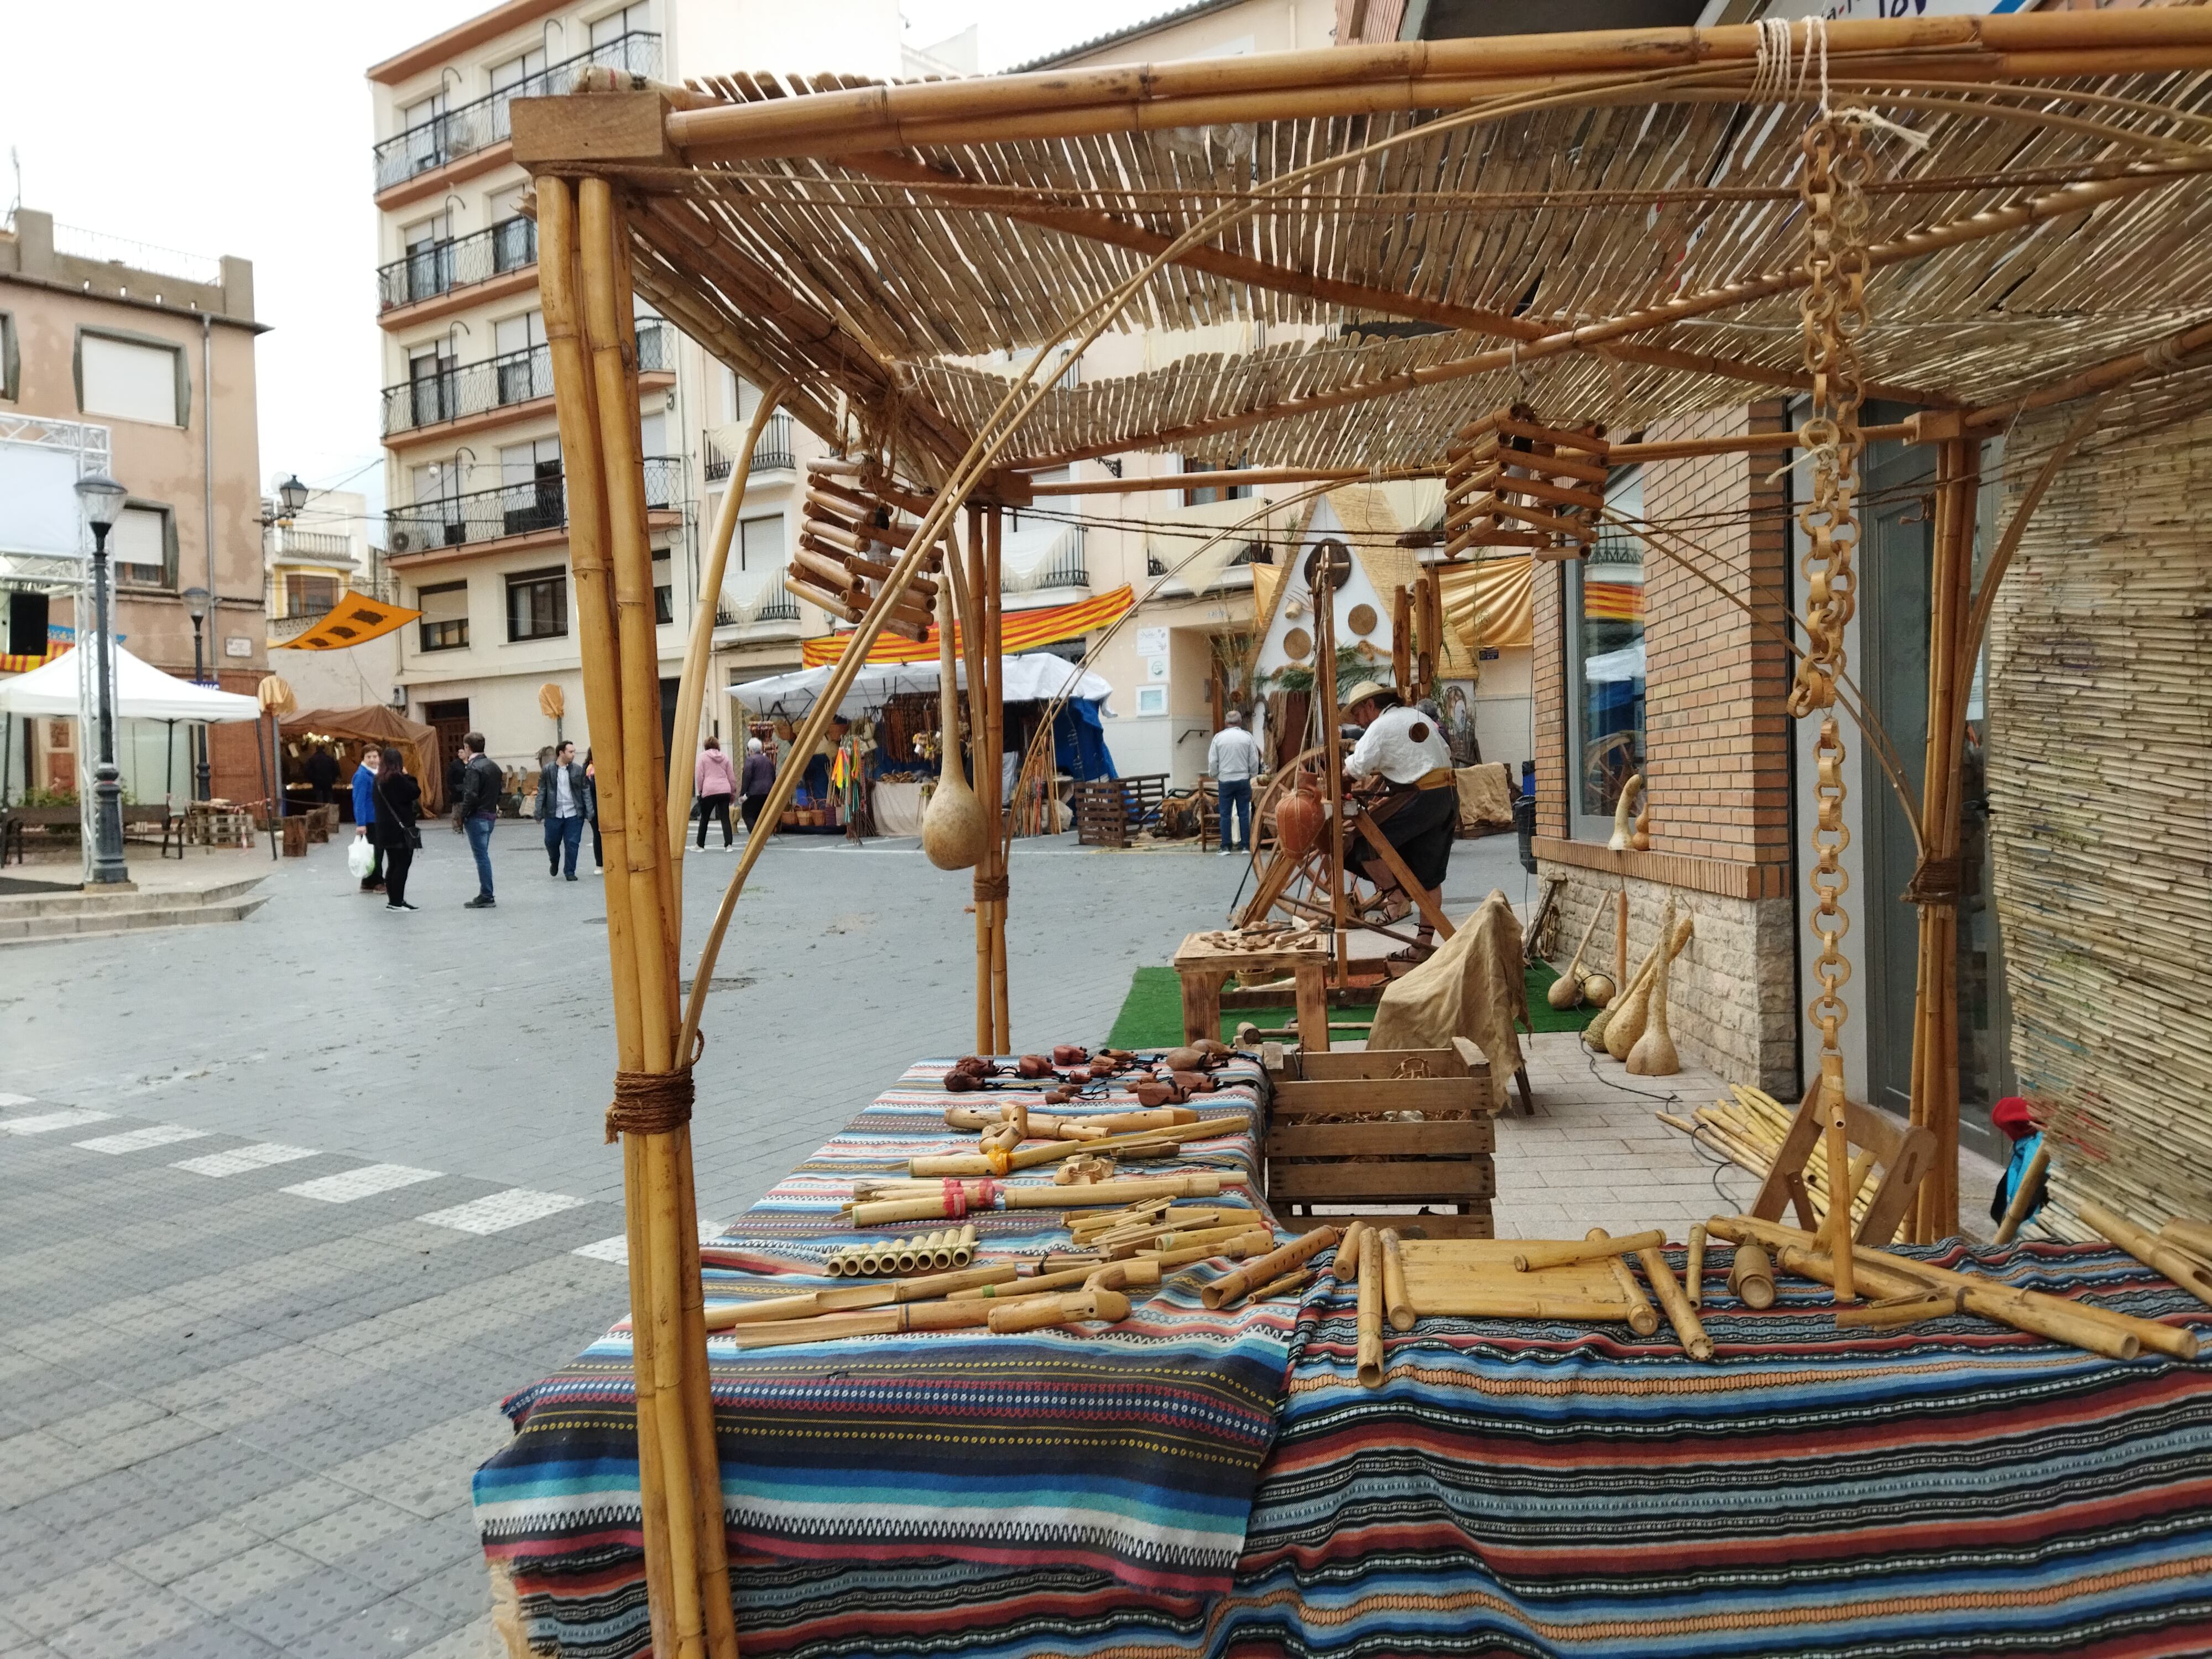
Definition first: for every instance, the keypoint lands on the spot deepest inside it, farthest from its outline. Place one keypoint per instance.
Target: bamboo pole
(577, 405)
(2031, 1183)
(1324, 603)
(698, 1579)
(693, 690)
(971, 611)
(994, 719)
(1680, 1313)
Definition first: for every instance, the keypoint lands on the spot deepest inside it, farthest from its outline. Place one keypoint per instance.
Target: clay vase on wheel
(1299, 820)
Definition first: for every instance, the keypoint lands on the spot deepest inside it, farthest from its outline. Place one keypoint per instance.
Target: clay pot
(1298, 818)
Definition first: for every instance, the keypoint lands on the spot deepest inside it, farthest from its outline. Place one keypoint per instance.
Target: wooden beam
(620, 128)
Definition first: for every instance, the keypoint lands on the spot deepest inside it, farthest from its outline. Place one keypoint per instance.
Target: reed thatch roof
(1606, 227)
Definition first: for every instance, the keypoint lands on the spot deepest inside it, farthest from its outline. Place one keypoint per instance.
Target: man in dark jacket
(565, 806)
(482, 785)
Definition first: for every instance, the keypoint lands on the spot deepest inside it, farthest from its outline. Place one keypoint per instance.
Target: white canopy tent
(141, 692)
(1030, 678)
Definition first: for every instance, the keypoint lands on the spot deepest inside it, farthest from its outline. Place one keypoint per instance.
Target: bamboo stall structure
(1031, 213)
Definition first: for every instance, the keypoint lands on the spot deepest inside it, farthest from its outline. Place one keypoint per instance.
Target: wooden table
(1203, 965)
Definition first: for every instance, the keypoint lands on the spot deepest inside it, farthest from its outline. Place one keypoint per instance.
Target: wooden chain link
(1833, 312)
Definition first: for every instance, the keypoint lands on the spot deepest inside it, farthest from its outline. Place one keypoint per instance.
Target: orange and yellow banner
(1612, 601)
(1019, 631)
(355, 618)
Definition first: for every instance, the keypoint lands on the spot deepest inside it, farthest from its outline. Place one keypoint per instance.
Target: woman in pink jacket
(715, 781)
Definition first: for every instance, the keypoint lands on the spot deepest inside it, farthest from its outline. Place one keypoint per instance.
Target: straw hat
(1365, 690)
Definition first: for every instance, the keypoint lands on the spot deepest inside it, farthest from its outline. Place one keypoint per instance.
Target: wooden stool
(295, 838)
(1904, 1154)
(1203, 966)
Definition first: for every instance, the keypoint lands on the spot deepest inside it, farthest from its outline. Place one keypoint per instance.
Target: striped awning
(1020, 631)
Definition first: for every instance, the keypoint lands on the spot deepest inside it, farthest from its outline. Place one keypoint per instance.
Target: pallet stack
(1510, 481)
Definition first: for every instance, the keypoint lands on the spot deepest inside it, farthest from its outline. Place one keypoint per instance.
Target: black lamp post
(103, 500)
(196, 607)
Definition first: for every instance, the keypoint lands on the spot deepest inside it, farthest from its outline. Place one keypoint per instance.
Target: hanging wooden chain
(1832, 308)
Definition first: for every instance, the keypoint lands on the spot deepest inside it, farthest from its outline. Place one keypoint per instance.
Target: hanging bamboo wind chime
(1511, 482)
(1831, 184)
(584, 279)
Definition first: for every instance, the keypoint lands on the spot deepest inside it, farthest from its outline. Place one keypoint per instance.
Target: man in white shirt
(564, 805)
(1231, 759)
(1401, 767)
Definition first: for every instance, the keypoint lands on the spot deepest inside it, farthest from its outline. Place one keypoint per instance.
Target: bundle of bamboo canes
(584, 278)
(1749, 1129)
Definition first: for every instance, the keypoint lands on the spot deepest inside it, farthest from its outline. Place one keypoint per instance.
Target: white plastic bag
(360, 857)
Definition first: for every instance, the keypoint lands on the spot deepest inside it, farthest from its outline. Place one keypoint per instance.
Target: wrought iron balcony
(514, 509)
(1064, 568)
(772, 453)
(457, 262)
(450, 392)
(479, 125)
(774, 605)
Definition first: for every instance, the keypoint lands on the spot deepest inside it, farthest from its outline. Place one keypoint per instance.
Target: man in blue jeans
(482, 785)
(564, 805)
(1230, 759)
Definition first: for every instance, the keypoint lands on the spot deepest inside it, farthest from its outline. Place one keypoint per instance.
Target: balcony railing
(288, 546)
(458, 262)
(773, 604)
(451, 392)
(772, 453)
(479, 125)
(514, 509)
(1064, 568)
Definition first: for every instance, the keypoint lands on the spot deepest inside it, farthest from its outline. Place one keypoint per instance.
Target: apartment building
(476, 531)
(156, 346)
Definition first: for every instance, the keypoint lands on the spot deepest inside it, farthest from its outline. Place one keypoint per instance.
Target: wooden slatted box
(1337, 1138)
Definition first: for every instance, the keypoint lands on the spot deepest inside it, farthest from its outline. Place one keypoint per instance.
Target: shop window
(1604, 664)
(538, 604)
(139, 547)
(444, 625)
(664, 588)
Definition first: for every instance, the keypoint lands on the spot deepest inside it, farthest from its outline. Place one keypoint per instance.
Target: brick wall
(1716, 746)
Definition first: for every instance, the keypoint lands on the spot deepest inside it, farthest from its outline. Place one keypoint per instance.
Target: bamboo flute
(1559, 1253)
(1643, 1318)
(1230, 1286)
(692, 691)
(1695, 1270)
(2031, 1182)
(1346, 1268)
(1371, 1309)
(2139, 1243)
(1837, 1137)
(1395, 1303)
(994, 719)
(576, 406)
(1680, 1313)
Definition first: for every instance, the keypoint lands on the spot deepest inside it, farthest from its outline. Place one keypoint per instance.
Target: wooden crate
(1333, 1142)
(1109, 811)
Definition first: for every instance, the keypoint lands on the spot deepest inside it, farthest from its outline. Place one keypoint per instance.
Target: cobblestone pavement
(291, 1204)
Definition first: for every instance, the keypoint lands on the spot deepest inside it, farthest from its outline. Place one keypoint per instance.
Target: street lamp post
(196, 607)
(103, 499)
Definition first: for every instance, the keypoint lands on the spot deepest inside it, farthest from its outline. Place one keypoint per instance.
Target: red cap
(2014, 1116)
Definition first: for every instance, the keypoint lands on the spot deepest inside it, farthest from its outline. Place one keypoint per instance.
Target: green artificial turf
(1151, 1014)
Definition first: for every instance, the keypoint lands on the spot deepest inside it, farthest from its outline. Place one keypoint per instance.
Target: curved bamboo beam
(691, 693)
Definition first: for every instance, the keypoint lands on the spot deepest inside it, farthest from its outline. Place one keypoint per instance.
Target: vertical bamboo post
(1324, 601)
(971, 609)
(699, 1618)
(577, 409)
(994, 721)
(1950, 677)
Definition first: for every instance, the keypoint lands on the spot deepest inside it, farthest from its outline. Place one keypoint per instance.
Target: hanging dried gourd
(1511, 481)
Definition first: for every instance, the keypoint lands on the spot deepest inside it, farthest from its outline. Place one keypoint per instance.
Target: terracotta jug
(1298, 819)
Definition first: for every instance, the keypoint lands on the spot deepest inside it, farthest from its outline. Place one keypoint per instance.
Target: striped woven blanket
(1129, 1452)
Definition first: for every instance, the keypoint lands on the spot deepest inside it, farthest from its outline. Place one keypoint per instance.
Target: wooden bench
(1204, 966)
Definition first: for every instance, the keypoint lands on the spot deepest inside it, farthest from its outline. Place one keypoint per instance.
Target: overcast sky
(243, 127)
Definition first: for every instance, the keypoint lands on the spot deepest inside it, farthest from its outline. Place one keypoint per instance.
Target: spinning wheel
(1297, 886)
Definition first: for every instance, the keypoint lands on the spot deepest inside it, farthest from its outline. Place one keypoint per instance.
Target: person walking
(321, 771)
(759, 778)
(715, 782)
(592, 795)
(398, 804)
(563, 807)
(482, 785)
(1230, 759)
(364, 816)
(457, 771)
